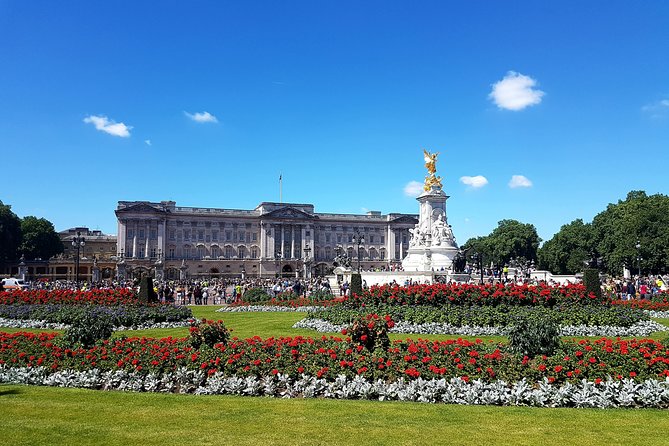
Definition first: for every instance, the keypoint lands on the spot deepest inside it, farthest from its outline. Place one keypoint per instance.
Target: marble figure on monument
(432, 245)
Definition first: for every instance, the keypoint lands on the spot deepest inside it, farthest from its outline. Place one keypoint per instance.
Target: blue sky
(206, 103)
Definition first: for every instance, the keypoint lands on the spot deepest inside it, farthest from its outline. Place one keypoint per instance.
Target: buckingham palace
(286, 239)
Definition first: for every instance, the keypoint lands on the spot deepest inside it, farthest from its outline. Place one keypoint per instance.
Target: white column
(401, 244)
(303, 243)
(390, 245)
(134, 239)
(147, 233)
(292, 241)
(263, 241)
(120, 238)
(271, 240)
(283, 245)
(161, 237)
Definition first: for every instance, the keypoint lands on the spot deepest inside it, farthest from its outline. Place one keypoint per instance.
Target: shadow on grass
(4, 392)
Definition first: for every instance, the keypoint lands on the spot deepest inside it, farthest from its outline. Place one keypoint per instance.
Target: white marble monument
(432, 245)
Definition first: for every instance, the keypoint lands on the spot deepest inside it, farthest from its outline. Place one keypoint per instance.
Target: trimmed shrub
(208, 333)
(87, 330)
(534, 336)
(146, 292)
(592, 283)
(255, 295)
(356, 284)
(371, 331)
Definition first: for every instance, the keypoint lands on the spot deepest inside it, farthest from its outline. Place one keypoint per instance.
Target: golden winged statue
(431, 165)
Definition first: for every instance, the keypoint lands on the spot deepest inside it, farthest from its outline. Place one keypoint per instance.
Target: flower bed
(469, 294)
(30, 323)
(267, 308)
(120, 315)
(502, 315)
(655, 305)
(601, 373)
(642, 328)
(329, 357)
(122, 296)
(604, 394)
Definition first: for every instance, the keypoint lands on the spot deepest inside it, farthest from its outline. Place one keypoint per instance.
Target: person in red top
(643, 290)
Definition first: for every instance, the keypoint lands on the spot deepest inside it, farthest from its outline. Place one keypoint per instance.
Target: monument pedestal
(432, 246)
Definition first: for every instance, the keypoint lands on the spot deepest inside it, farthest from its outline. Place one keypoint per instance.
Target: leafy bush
(356, 284)
(489, 316)
(371, 331)
(534, 336)
(208, 333)
(255, 295)
(87, 330)
(592, 283)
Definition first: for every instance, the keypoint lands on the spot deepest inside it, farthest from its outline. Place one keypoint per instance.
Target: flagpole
(280, 189)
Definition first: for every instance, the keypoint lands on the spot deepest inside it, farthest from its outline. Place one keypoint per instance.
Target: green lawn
(246, 325)
(52, 416)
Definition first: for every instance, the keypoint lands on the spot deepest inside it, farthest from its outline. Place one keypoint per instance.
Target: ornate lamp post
(307, 261)
(359, 239)
(478, 261)
(78, 242)
(279, 257)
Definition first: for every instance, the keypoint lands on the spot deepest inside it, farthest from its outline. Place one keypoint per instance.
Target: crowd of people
(201, 291)
(218, 291)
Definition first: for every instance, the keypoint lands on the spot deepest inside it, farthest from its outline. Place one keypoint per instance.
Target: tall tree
(639, 218)
(40, 239)
(510, 239)
(567, 251)
(10, 233)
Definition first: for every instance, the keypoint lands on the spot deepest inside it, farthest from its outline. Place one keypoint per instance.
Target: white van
(13, 284)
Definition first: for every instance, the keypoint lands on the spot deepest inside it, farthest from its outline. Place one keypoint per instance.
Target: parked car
(13, 284)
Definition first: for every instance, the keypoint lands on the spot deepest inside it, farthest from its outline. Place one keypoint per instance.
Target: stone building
(274, 238)
(99, 251)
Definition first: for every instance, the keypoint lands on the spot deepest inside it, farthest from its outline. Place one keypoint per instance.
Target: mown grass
(277, 324)
(53, 416)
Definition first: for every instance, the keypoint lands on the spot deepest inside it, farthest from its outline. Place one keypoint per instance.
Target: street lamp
(78, 242)
(478, 260)
(307, 251)
(359, 239)
(638, 256)
(278, 256)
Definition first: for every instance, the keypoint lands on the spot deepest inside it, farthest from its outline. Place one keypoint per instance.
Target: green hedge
(499, 316)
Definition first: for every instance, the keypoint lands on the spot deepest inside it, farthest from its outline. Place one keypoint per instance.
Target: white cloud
(474, 182)
(519, 181)
(515, 92)
(106, 125)
(657, 109)
(147, 142)
(202, 117)
(413, 189)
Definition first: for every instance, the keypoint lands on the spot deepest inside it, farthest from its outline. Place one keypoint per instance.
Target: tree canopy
(510, 239)
(39, 238)
(567, 251)
(641, 219)
(10, 233)
(613, 236)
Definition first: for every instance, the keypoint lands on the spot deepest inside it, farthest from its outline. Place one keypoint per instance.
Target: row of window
(201, 252)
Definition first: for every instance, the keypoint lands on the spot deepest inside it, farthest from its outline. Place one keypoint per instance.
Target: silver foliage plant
(642, 328)
(269, 308)
(610, 393)
(30, 323)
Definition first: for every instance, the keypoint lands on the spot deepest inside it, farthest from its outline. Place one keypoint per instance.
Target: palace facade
(287, 239)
